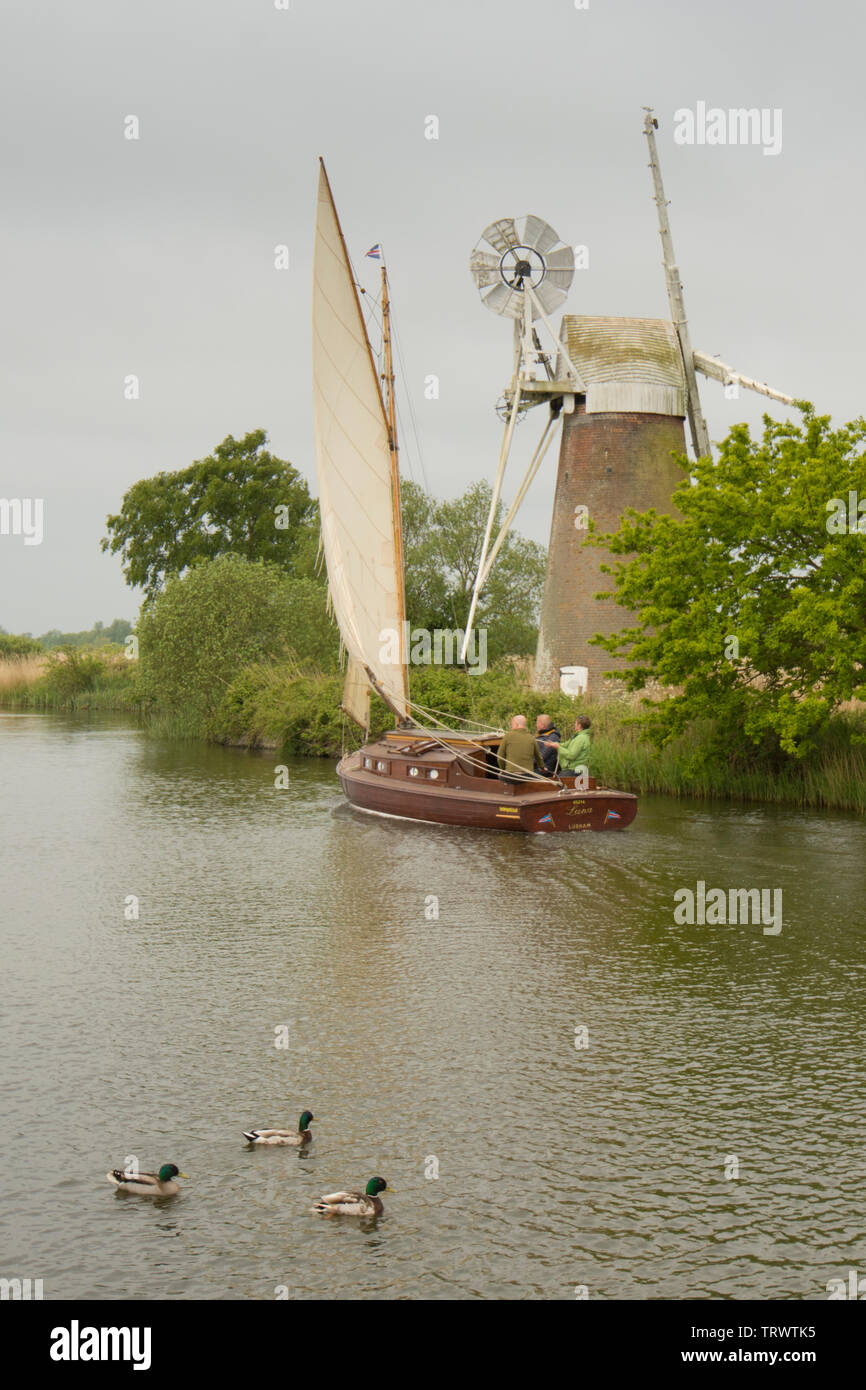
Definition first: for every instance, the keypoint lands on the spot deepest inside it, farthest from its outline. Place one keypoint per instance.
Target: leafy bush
(19, 644)
(205, 627)
(282, 705)
(71, 670)
(312, 635)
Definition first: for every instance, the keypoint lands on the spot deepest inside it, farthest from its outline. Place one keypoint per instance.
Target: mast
(397, 518)
(697, 423)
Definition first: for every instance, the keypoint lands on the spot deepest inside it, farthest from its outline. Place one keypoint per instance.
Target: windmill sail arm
(697, 423)
(532, 469)
(720, 371)
(494, 499)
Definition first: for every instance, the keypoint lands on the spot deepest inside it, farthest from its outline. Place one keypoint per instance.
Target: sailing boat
(422, 769)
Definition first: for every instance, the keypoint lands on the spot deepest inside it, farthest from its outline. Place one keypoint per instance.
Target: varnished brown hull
(498, 809)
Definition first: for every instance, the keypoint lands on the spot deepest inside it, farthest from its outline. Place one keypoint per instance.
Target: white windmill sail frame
(552, 265)
(359, 520)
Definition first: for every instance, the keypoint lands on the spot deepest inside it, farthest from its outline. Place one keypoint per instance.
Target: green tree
(222, 615)
(753, 601)
(97, 636)
(117, 631)
(239, 500)
(442, 546)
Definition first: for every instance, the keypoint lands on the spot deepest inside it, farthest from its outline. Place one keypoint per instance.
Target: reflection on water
(414, 1038)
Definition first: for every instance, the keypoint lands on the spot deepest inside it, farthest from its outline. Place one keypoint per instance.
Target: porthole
(433, 774)
(368, 762)
(381, 767)
(413, 772)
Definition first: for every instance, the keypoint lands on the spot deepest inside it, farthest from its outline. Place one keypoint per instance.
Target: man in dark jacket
(548, 737)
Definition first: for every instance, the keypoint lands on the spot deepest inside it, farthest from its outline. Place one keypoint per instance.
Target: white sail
(356, 695)
(358, 517)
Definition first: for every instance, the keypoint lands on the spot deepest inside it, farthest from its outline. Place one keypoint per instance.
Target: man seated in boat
(518, 754)
(548, 739)
(575, 752)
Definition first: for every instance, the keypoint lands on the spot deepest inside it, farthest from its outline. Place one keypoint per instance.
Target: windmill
(622, 389)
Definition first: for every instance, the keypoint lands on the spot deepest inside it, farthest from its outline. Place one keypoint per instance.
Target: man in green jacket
(575, 753)
(518, 754)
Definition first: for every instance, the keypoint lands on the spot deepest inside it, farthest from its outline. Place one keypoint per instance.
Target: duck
(366, 1203)
(159, 1184)
(298, 1136)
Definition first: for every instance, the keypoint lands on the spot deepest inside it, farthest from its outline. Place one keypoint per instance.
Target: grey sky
(155, 257)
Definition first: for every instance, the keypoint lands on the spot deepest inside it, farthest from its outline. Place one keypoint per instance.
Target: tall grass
(41, 681)
(832, 778)
(184, 725)
(19, 675)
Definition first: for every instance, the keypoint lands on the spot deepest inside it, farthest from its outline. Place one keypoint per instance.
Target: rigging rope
(518, 774)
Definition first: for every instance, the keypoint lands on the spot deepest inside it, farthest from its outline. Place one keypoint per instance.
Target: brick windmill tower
(623, 389)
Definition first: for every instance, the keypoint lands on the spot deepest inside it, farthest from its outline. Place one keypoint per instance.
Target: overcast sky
(156, 256)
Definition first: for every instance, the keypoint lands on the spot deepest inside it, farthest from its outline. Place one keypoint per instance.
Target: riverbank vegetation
(69, 670)
(747, 628)
(20, 644)
(293, 712)
(69, 679)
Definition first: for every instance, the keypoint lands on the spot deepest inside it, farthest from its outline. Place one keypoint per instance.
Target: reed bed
(18, 676)
(35, 682)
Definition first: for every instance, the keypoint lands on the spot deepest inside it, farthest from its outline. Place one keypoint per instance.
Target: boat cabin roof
(417, 742)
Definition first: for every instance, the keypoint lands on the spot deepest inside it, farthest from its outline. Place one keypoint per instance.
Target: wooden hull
(529, 807)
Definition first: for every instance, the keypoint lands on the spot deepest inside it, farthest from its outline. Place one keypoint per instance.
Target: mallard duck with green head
(298, 1136)
(159, 1184)
(366, 1203)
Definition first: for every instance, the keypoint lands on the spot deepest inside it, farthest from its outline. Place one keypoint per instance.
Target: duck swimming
(298, 1136)
(366, 1203)
(159, 1184)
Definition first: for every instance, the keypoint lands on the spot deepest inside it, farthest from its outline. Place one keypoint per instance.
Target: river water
(702, 1138)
